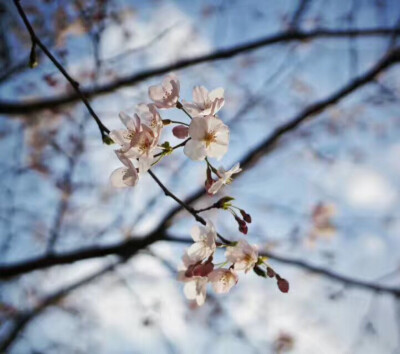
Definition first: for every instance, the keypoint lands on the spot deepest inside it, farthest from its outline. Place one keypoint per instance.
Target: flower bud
(180, 131)
(283, 285)
(270, 272)
(246, 217)
(224, 203)
(259, 272)
(242, 225)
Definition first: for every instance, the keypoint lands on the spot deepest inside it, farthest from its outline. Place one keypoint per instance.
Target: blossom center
(210, 138)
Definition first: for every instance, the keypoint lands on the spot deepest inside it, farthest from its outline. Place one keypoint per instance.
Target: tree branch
(25, 317)
(79, 95)
(271, 141)
(7, 107)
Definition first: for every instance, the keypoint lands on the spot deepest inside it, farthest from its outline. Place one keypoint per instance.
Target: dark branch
(79, 95)
(221, 54)
(24, 318)
(271, 141)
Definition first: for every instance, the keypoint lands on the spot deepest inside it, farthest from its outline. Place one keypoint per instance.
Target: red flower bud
(180, 131)
(246, 217)
(270, 272)
(283, 285)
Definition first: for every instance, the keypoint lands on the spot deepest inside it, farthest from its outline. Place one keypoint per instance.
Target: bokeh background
(327, 194)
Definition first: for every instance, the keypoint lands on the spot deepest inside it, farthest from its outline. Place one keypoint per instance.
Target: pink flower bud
(180, 131)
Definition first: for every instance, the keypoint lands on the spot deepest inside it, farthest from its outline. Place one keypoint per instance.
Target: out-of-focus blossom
(180, 131)
(242, 255)
(225, 177)
(222, 280)
(204, 242)
(165, 95)
(126, 176)
(210, 138)
(205, 103)
(196, 289)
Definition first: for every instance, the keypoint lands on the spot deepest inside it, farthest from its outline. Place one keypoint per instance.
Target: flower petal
(195, 150)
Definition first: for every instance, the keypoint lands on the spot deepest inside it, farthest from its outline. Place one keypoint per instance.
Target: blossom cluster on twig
(206, 137)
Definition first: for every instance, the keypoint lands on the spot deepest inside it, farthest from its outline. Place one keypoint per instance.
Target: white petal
(216, 186)
(195, 150)
(190, 290)
(123, 177)
(198, 128)
(197, 233)
(120, 137)
(217, 93)
(217, 150)
(200, 96)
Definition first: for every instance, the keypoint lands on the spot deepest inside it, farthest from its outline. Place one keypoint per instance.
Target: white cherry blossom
(225, 177)
(148, 115)
(209, 138)
(205, 103)
(126, 137)
(194, 275)
(126, 176)
(204, 242)
(242, 255)
(165, 95)
(222, 280)
(144, 148)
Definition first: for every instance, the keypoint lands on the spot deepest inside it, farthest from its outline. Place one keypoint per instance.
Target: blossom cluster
(206, 136)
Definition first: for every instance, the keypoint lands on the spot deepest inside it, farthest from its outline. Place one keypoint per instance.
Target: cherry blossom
(205, 103)
(126, 176)
(165, 95)
(222, 280)
(126, 137)
(149, 116)
(204, 242)
(209, 138)
(242, 255)
(144, 148)
(194, 275)
(225, 177)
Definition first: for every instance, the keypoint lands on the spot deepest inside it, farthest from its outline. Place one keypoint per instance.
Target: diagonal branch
(7, 107)
(36, 41)
(271, 141)
(24, 318)
(130, 247)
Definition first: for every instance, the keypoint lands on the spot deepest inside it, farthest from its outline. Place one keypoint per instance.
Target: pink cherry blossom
(148, 115)
(209, 138)
(242, 255)
(205, 103)
(165, 95)
(222, 280)
(204, 242)
(180, 131)
(126, 137)
(144, 148)
(194, 275)
(124, 176)
(225, 177)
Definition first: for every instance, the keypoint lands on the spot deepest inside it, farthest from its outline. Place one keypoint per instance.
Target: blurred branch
(24, 318)
(318, 270)
(299, 12)
(270, 142)
(36, 41)
(132, 246)
(8, 107)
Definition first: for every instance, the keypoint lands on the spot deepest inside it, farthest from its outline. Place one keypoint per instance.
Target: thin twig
(36, 41)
